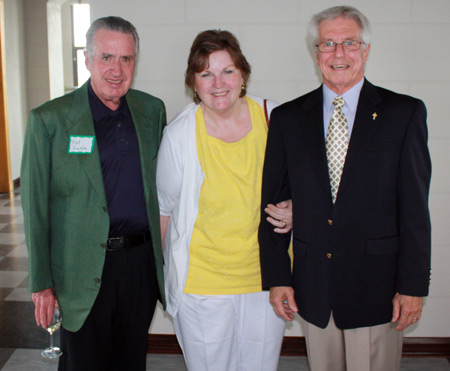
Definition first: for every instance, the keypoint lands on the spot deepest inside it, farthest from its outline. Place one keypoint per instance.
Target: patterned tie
(337, 144)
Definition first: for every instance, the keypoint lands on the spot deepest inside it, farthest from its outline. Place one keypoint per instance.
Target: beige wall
(407, 56)
(36, 51)
(27, 65)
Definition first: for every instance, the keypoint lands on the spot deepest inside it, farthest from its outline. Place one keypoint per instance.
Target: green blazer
(64, 202)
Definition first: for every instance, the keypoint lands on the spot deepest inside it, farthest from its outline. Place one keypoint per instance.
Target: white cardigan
(179, 180)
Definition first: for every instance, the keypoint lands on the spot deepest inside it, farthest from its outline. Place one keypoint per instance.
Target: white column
(55, 48)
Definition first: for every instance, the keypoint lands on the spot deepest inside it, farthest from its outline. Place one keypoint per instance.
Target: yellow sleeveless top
(224, 251)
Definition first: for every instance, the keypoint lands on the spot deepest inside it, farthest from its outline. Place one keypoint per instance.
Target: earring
(243, 87)
(195, 95)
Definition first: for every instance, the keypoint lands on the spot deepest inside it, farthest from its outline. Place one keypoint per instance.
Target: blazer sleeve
(274, 257)
(414, 218)
(35, 193)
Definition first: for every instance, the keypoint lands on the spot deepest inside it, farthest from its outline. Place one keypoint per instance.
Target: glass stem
(51, 341)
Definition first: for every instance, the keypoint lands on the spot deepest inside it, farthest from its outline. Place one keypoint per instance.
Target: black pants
(114, 336)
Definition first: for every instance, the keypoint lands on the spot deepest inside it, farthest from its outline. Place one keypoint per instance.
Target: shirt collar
(100, 111)
(351, 96)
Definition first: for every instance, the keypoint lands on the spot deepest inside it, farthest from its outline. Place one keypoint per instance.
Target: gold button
(103, 245)
(328, 255)
(105, 209)
(97, 280)
(330, 222)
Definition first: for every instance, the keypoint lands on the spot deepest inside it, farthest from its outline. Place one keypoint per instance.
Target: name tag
(81, 144)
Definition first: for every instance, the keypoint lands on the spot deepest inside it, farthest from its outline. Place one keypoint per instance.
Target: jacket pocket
(382, 246)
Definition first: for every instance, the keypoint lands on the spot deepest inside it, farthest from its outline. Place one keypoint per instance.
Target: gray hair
(334, 12)
(110, 24)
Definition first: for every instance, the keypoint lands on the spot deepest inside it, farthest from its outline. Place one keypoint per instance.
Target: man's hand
(407, 310)
(44, 306)
(280, 216)
(283, 302)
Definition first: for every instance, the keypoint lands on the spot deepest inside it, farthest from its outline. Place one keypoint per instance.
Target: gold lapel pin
(374, 115)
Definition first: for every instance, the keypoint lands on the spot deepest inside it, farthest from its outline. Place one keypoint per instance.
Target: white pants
(229, 332)
(376, 348)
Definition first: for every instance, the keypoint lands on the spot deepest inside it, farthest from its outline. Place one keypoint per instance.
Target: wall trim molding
(295, 346)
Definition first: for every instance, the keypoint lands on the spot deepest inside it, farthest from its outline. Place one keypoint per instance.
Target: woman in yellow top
(209, 187)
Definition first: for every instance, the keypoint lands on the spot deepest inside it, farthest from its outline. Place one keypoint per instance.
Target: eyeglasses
(331, 46)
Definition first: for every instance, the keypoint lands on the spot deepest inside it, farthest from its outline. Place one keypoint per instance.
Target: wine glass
(52, 351)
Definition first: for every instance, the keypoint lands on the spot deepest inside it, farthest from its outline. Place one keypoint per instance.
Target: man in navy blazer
(361, 263)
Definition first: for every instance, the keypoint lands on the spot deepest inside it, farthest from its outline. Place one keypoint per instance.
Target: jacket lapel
(364, 128)
(315, 141)
(79, 122)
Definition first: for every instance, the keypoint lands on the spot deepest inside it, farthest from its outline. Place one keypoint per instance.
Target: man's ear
(86, 60)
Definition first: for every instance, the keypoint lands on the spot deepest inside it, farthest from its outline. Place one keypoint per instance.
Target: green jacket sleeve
(35, 185)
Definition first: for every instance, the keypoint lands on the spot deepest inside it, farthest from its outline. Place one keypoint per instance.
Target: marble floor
(21, 341)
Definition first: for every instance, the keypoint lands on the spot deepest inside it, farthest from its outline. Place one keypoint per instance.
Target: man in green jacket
(91, 211)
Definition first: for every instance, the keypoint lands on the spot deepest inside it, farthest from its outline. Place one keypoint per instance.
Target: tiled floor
(21, 341)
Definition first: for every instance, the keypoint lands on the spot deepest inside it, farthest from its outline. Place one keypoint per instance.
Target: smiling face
(220, 84)
(341, 70)
(112, 66)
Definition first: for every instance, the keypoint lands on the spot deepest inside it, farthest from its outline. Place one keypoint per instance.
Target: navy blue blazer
(351, 257)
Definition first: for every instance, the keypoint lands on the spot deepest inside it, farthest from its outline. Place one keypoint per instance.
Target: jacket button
(103, 245)
(105, 209)
(328, 255)
(97, 280)
(330, 222)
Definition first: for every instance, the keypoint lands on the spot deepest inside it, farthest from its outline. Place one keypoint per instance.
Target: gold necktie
(336, 144)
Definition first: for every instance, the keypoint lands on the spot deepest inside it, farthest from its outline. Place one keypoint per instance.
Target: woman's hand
(280, 216)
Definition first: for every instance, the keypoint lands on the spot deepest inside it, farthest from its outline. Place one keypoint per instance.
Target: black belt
(118, 243)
